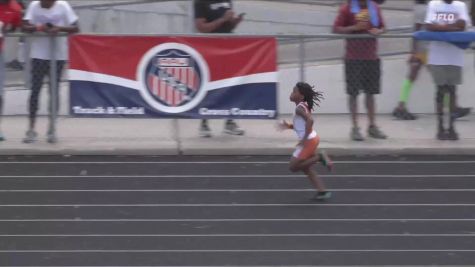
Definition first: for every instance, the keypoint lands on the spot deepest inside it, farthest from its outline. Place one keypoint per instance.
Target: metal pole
(27, 70)
(302, 58)
(191, 14)
(53, 79)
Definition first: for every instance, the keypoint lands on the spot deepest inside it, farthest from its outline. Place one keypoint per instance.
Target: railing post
(302, 58)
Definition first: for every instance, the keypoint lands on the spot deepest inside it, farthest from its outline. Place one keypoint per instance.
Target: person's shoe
(403, 114)
(442, 134)
(375, 132)
(14, 65)
(452, 135)
(325, 160)
(51, 138)
(356, 134)
(233, 129)
(205, 131)
(2, 137)
(323, 195)
(461, 112)
(31, 137)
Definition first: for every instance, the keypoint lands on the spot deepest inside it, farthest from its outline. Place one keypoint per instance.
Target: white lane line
(76, 205)
(247, 176)
(229, 190)
(241, 162)
(246, 220)
(243, 235)
(239, 251)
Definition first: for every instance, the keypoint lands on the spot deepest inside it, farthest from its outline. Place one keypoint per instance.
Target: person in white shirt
(50, 17)
(445, 59)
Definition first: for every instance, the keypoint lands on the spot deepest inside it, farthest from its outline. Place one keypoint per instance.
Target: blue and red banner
(184, 77)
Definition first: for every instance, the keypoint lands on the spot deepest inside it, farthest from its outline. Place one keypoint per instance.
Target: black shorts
(363, 75)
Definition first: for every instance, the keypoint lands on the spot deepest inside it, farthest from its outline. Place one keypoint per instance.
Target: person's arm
(458, 26)
(71, 19)
(300, 111)
(340, 26)
(382, 25)
(204, 26)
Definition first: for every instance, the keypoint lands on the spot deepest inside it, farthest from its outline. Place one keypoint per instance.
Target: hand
(53, 30)
(362, 26)
(301, 143)
(283, 125)
(229, 15)
(375, 31)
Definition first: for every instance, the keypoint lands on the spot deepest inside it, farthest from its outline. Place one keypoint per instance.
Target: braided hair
(310, 96)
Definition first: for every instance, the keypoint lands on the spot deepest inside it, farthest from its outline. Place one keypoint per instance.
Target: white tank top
(299, 123)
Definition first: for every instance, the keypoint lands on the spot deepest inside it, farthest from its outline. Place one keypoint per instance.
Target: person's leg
(205, 131)
(315, 179)
(452, 107)
(51, 134)
(39, 69)
(439, 106)
(401, 111)
(353, 85)
(372, 78)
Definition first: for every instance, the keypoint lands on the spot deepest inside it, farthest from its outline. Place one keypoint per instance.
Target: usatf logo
(173, 77)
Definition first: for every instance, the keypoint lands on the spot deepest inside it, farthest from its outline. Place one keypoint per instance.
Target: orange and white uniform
(310, 146)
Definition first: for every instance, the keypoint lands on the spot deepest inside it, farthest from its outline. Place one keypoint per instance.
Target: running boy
(304, 157)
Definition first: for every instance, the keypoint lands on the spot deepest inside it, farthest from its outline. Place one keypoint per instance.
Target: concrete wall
(328, 77)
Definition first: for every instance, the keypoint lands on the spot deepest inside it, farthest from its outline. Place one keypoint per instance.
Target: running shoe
(31, 137)
(232, 128)
(325, 160)
(403, 114)
(355, 134)
(323, 195)
(375, 132)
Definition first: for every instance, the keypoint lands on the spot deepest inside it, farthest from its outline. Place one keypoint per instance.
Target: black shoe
(442, 134)
(461, 112)
(452, 135)
(403, 114)
(14, 65)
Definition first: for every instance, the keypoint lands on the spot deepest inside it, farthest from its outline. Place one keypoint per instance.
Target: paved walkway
(170, 137)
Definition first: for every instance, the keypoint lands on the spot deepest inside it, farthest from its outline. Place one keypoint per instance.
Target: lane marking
(230, 190)
(236, 251)
(246, 176)
(243, 235)
(250, 220)
(241, 162)
(250, 205)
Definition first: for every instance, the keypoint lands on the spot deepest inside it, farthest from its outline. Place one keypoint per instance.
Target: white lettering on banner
(237, 112)
(109, 110)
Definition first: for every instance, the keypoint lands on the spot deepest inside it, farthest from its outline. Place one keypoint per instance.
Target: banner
(173, 77)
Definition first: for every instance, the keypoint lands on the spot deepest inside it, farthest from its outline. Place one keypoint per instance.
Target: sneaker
(51, 138)
(2, 137)
(323, 195)
(30, 137)
(461, 112)
(325, 160)
(375, 132)
(14, 65)
(452, 135)
(205, 131)
(403, 114)
(356, 135)
(233, 129)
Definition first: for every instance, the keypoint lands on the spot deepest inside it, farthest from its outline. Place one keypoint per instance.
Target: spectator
(10, 18)
(51, 17)
(362, 64)
(417, 60)
(445, 59)
(217, 16)
(18, 63)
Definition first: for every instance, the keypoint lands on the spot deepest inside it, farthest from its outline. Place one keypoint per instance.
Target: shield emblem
(173, 78)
